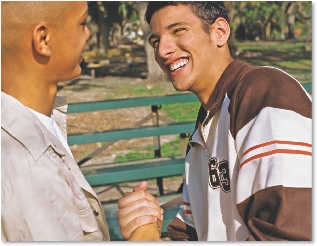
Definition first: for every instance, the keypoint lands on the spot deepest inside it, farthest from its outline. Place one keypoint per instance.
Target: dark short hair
(207, 11)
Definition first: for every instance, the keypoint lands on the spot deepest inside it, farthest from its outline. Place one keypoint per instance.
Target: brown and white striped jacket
(249, 162)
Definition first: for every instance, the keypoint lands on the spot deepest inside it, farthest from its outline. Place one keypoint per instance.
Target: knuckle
(142, 194)
(124, 234)
(143, 209)
(119, 213)
(120, 223)
(120, 203)
(137, 222)
(145, 202)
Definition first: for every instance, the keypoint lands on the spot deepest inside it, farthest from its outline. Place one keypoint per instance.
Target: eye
(179, 31)
(154, 43)
(84, 23)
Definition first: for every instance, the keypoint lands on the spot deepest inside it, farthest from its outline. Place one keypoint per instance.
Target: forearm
(149, 232)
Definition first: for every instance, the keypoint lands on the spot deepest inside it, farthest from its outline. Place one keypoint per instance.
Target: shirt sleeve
(39, 206)
(274, 184)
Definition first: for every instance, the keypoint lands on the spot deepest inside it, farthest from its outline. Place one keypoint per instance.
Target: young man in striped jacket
(249, 161)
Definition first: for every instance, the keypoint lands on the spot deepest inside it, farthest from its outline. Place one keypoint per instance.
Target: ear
(221, 30)
(41, 39)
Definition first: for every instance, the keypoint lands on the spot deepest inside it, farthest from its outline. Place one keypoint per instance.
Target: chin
(180, 86)
(71, 76)
(76, 73)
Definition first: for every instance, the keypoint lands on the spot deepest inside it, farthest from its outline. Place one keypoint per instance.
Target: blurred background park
(119, 63)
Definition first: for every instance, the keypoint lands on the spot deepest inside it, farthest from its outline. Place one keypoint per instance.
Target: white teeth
(178, 65)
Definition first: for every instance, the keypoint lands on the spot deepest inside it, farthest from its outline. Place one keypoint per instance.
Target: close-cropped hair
(207, 11)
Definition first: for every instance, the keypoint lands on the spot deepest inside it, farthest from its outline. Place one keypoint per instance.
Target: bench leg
(159, 183)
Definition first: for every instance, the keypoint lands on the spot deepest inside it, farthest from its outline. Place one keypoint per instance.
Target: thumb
(142, 186)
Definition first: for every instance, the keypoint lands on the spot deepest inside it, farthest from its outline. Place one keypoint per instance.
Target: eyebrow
(86, 12)
(168, 28)
(176, 24)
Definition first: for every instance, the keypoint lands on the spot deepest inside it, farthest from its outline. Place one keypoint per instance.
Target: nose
(166, 47)
(87, 33)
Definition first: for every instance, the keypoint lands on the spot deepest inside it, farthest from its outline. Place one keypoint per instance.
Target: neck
(205, 92)
(38, 96)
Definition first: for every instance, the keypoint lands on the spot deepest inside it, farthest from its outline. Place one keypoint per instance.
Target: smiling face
(183, 50)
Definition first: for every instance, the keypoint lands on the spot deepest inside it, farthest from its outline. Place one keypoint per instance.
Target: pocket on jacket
(88, 220)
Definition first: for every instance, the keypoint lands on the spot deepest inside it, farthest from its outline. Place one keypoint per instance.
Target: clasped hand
(138, 215)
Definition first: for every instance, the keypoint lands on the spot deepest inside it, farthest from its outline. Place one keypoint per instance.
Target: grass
(171, 148)
(293, 58)
(140, 90)
(138, 154)
(272, 46)
(182, 111)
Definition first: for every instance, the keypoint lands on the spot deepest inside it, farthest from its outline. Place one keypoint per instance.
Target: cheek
(158, 60)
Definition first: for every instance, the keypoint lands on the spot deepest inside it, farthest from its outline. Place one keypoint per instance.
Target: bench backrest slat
(308, 87)
(129, 133)
(130, 102)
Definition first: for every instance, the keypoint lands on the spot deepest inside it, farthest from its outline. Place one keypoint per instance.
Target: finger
(135, 196)
(127, 230)
(127, 193)
(140, 207)
(139, 212)
(143, 186)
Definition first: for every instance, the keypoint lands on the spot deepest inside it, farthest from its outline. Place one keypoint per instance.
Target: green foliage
(127, 13)
(268, 20)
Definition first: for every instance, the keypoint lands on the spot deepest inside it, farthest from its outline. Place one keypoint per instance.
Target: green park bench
(157, 167)
(308, 87)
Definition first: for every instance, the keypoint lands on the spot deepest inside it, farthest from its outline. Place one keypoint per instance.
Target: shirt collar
(26, 128)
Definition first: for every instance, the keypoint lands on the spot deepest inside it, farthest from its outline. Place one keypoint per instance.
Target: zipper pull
(207, 153)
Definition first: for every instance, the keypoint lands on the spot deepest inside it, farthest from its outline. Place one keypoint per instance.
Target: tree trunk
(234, 14)
(103, 31)
(117, 34)
(155, 73)
(268, 30)
(290, 20)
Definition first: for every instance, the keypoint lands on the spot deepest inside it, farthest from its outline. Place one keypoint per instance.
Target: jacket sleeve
(180, 231)
(182, 228)
(273, 133)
